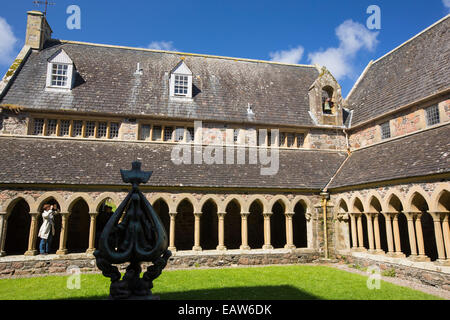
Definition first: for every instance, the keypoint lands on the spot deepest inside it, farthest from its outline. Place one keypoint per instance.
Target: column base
(62, 252)
(196, 248)
(221, 248)
(31, 253)
(443, 262)
(419, 258)
(90, 251)
(360, 249)
(267, 247)
(244, 248)
(290, 246)
(396, 254)
(172, 249)
(2, 253)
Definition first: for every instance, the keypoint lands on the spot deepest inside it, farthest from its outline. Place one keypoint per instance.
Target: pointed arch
(237, 198)
(393, 202)
(283, 200)
(357, 203)
(188, 197)
(417, 200)
(440, 199)
(47, 196)
(9, 204)
(305, 202)
(166, 197)
(373, 202)
(73, 199)
(106, 195)
(213, 198)
(260, 199)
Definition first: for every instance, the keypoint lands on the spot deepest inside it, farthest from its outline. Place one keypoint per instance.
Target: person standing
(47, 230)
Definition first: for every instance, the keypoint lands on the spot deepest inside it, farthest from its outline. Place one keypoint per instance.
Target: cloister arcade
(414, 225)
(206, 222)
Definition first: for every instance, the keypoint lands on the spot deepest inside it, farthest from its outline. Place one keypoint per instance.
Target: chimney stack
(38, 30)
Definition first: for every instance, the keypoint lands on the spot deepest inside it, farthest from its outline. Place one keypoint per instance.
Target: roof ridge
(414, 37)
(184, 53)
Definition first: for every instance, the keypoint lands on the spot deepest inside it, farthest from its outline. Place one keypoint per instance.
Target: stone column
(92, 225)
(419, 235)
(267, 245)
(289, 231)
(197, 246)
(370, 232)
(360, 232)
(173, 216)
(63, 235)
(2, 233)
(376, 229)
(221, 218)
(244, 231)
(411, 233)
(354, 236)
(446, 229)
(33, 235)
(389, 236)
(438, 235)
(398, 246)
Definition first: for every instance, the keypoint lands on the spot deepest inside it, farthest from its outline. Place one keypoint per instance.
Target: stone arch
(375, 206)
(306, 203)
(45, 197)
(373, 198)
(209, 225)
(211, 197)
(78, 223)
(357, 204)
(255, 221)
(232, 222)
(261, 200)
(18, 222)
(166, 198)
(184, 226)
(106, 195)
(162, 209)
(344, 237)
(279, 208)
(393, 202)
(234, 197)
(9, 204)
(74, 198)
(189, 197)
(300, 224)
(416, 200)
(283, 200)
(440, 199)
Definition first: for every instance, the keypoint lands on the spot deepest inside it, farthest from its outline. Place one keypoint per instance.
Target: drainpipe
(325, 197)
(348, 143)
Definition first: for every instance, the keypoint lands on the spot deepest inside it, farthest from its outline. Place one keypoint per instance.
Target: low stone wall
(53, 264)
(439, 277)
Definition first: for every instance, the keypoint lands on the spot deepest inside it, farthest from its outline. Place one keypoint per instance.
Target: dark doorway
(255, 225)
(208, 226)
(78, 228)
(18, 229)
(233, 226)
(184, 226)
(299, 226)
(278, 226)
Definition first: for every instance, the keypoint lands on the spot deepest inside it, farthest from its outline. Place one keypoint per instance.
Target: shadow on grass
(232, 293)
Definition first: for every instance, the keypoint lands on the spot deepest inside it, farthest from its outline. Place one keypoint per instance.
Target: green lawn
(264, 283)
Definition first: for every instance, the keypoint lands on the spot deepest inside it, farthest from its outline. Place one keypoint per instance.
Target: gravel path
(397, 281)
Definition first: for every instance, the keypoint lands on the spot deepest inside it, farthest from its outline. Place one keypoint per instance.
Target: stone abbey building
(374, 166)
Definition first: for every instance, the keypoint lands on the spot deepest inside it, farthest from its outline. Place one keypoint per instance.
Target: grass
(259, 283)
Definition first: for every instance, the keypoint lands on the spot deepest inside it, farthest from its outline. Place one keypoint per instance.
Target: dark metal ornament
(135, 234)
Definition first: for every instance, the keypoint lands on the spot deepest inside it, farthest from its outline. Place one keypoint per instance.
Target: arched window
(327, 100)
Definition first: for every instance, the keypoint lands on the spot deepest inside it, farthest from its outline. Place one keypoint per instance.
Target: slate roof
(417, 69)
(73, 162)
(420, 154)
(223, 87)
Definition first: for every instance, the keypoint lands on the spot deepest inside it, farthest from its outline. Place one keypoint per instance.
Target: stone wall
(436, 279)
(60, 265)
(12, 123)
(401, 123)
(326, 139)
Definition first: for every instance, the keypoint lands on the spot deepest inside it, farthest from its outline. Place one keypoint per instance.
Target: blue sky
(332, 33)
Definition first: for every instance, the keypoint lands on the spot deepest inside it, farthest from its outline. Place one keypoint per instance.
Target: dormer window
(181, 81)
(60, 72)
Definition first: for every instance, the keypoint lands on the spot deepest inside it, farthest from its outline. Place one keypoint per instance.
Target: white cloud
(162, 45)
(288, 56)
(7, 42)
(353, 37)
(446, 4)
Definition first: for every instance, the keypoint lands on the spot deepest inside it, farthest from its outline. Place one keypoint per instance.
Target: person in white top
(47, 230)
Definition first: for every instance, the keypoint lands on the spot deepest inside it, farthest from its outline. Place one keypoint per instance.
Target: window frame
(69, 76)
(385, 129)
(434, 118)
